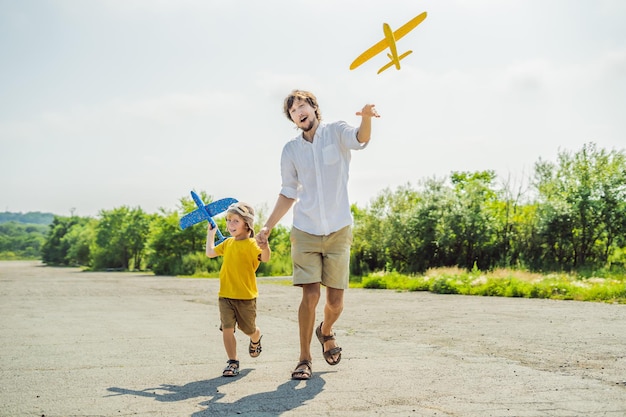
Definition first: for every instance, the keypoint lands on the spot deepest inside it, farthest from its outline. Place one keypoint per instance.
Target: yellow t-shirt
(238, 272)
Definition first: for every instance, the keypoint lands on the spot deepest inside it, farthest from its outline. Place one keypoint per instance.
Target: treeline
(21, 241)
(129, 239)
(570, 215)
(33, 217)
(23, 234)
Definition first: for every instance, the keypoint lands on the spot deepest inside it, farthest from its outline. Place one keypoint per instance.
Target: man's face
(303, 115)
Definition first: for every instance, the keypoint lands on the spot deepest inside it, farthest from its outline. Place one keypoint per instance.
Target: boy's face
(236, 226)
(303, 114)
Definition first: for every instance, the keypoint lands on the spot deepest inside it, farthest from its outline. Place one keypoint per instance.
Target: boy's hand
(261, 237)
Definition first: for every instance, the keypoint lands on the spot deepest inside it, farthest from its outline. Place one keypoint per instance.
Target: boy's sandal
(303, 371)
(254, 348)
(328, 355)
(232, 369)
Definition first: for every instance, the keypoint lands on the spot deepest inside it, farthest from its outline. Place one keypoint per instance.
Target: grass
(216, 275)
(503, 283)
(496, 283)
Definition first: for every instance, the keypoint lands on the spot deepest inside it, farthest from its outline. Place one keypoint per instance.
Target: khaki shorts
(238, 312)
(324, 259)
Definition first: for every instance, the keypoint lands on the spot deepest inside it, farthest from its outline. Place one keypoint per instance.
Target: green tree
(432, 221)
(472, 219)
(79, 239)
(172, 251)
(368, 251)
(612, 194)
(21, 241)
(55, 249)
(525, 241)
(400, 234)
(168, 245)
(120, 238)
(33, 217)
(280, 263)
(582, 200)
(519, 243)
(380, 236)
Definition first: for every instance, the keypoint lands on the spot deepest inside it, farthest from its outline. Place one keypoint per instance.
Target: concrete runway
(123, 344)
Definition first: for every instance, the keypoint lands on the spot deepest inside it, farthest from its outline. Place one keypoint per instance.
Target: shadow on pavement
(288, 396)
(173, 393)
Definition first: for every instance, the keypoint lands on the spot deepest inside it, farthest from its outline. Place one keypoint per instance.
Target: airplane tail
(394, 62)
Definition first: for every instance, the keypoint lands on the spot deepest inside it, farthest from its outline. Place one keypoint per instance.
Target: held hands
(262, 237)
(262, 242)
(369, 110)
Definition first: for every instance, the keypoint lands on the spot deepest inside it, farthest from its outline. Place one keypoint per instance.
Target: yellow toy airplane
(390, 42)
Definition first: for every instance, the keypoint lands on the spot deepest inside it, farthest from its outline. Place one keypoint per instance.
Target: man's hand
(262, 236)
(369, 110)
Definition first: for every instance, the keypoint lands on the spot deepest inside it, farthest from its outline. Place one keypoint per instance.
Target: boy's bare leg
(254, 337)
(254, 348)
(230, 343)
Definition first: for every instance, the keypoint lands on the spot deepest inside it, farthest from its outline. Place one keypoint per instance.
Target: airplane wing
(409, 26)
(192, 218)
(382, 45)
(219, 206)
(205, 212)
(370, 53)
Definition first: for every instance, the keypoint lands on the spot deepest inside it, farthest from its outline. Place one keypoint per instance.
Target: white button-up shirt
(316, 175)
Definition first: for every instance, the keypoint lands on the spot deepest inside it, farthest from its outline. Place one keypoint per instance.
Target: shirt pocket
(330, 155)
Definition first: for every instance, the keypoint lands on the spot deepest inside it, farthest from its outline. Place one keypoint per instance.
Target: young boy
(238, 290)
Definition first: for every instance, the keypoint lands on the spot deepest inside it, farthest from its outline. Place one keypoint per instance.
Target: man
(314, 171)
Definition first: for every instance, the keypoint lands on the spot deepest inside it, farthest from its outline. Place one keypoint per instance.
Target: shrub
(503, 283)
(443, 286)
(374, 283)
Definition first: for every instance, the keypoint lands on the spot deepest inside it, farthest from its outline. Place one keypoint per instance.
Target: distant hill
(33, 217)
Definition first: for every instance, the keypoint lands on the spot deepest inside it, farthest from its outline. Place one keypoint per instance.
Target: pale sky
(135, 103)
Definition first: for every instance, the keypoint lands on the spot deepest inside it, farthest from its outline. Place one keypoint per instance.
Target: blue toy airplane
(206, 212)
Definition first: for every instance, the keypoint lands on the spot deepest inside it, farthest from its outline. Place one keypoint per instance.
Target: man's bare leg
(306, 318)
(332, 311)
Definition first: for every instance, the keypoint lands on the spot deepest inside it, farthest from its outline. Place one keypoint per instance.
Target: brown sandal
(328, 355)
(303, 371)
(232, 369)
(254, 348)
